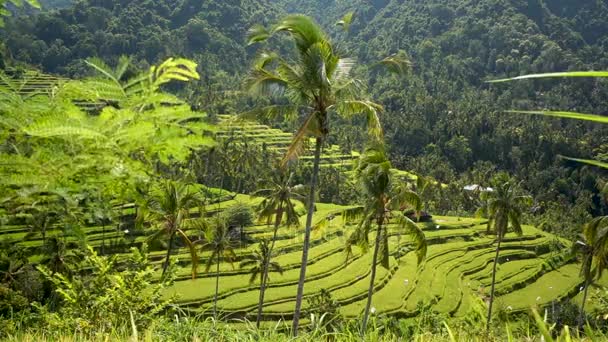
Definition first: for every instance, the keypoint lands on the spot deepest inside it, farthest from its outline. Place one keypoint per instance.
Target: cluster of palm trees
(314, 85)
(317, 83)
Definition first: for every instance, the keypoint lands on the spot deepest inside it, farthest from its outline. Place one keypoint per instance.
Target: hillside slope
(211, 32)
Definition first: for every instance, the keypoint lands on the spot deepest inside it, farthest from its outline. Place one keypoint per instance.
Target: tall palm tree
(383, 194)
(218, 241)
(593, 248)
(278, 204)
(260, 264)
(317, 83)
(169, 206)
(503, 207)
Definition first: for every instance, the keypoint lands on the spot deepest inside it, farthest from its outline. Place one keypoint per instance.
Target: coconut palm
(218, 241)
(317, 83)
(260, 264)
(503, 207)
(259, 261)
(278, 205)
(168, 207)
(383, 193)
(593, 248)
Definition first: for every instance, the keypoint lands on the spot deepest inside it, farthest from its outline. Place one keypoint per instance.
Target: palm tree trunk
(217, 287)
(169, 250)
(370, 290)
(311, 209)
(277, 223)
(493, 283)
(581, 318)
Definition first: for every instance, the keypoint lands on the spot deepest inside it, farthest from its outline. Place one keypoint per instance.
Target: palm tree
(42, 209)
(218, 241)
(383, 194)
(57, 255)
(260, 264)
(169, 206)
(593, 248)
(278, 204)
(503, 207)
(317, 83)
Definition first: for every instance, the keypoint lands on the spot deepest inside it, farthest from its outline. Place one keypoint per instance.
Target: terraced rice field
(279, 141)
(454, 278)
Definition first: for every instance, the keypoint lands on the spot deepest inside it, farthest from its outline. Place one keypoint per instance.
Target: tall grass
(193, 330)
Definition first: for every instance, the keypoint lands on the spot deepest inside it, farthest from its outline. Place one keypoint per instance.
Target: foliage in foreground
(381, 329)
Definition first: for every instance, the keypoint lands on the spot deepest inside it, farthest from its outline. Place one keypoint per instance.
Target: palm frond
(352, 214)
(405, 196)
(297, 143)
(303, 29)
(192, 250)
(398, 63)
(257, 33)
(264, 82)
(514, 217)
(254, 274)
(417, 235)
(371, 111)
(346, 21)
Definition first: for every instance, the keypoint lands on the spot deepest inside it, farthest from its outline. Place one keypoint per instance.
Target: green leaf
(554, 75)
(542, 326)
(565, 115)
(588, 162)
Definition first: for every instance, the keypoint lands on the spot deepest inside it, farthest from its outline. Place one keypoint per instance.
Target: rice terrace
(286, 170)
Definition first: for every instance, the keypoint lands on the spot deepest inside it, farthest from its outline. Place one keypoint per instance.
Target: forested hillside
(433, 125)
(442, 120)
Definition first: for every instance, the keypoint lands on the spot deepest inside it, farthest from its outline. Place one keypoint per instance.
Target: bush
(239, 215)
(105, 294)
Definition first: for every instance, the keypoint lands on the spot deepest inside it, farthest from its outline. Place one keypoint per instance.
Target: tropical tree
(219, 242)
(168, 207)
(593, 249)
(383, 194)
(260, 264)
(41, 209)
(317, 83)
(503, 207)
(278, 204)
